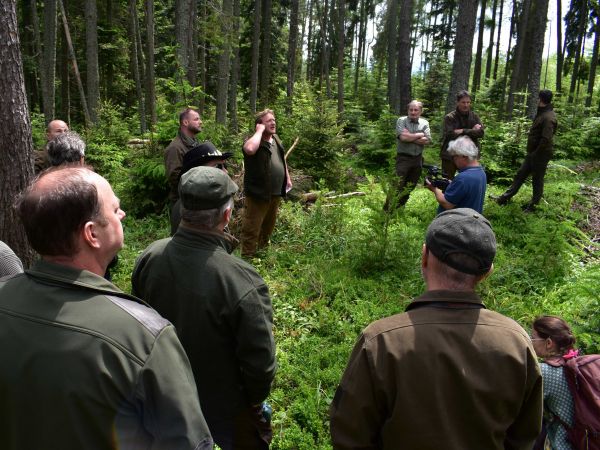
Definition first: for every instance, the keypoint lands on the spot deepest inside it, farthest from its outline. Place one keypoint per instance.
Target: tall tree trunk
(403, 77)
(255, 55)
(192, 73)
(578, 53)
(497, 57)
(594, 61)
(49, 59)
(91, 54)
(265, 50)
(84, 106)
(109, 67)
(519, 64)
(559, 46)
(65, 81)
(202, 43)
(134, 61)
(391, 25)
(16, 146)
(490, 48)
(224, 62)
(479, 54)
(150, 83)
(309, 44)
(509, 51)
(291, 56)
(182, 35)
(340, 57)
(537, 34)
(362, 34)
(465, 30)
(235, 67)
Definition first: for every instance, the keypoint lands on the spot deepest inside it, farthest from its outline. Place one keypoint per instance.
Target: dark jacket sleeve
(173, 162)
(473, 133)
(355, 417)
(255, 346)
(169, 401)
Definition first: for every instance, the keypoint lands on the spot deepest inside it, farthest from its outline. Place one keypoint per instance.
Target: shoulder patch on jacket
(148, 317)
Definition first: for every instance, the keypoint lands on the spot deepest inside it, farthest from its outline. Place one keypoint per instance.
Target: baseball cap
(463, 239)
(205, 188)
(201, 154)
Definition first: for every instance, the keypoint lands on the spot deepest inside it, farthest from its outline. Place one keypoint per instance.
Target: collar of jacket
(190, 236)
(543, 109)
(48, 272)
(189, 142)
(464, 115)
(446, 296)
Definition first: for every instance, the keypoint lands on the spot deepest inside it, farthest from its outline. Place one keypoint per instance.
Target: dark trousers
(449, 168)
(408, 171)
(247, 431)
(258, 223)
(535, 165)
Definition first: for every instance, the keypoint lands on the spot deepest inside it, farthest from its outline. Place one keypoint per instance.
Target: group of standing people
(193, 362)
(461, 152)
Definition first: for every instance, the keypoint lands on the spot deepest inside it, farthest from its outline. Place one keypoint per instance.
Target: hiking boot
(500, 199)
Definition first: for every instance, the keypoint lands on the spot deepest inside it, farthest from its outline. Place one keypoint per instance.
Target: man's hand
(477, 126)
(251, 145)
(459, 131)
(260, 127)
(430, 186)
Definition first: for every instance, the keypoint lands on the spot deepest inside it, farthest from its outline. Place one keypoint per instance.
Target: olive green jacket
(447, 374)
(223, 314)
(173, 161)
(541, 135)
(85, 366)
(257, 175)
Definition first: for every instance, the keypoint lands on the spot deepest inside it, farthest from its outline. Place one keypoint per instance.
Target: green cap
(205, 188)
(462, 239)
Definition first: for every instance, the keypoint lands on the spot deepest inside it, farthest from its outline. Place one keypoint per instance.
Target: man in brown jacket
(539, 153)
(448, 373)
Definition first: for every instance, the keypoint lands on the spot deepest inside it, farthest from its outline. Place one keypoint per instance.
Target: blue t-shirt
(467, 189)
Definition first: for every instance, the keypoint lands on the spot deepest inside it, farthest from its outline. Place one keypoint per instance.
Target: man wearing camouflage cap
(448, 373)
(220, 307)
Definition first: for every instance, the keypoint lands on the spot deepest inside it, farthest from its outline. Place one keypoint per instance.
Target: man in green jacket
(220, 307)
(448, 373)
(539, 153)
(86, 366)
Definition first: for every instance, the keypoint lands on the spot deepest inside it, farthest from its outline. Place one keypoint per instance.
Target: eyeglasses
(536, 339)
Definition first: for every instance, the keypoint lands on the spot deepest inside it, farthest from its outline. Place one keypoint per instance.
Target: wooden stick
(292, 147)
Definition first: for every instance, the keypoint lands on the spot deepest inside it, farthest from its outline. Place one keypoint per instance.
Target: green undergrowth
(336, 266)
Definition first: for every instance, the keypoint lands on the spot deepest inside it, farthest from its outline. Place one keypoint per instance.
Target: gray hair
(463, 146)
(205, 219)
(416, 103)
(66, 148)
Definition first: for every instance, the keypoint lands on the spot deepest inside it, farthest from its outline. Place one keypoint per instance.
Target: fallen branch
(292, 147)
(347, 194)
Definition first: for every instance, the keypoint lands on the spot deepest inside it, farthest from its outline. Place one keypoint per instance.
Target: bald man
(55, 128)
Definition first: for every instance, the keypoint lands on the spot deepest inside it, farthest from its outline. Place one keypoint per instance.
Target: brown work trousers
(258, 223)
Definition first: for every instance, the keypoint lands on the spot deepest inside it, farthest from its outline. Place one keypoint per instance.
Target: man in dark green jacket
(220, 307)
(448, 373)
(539, 153)
(266, 181)
(86, 366)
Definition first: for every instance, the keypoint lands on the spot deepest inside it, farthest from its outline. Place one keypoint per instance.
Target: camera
(436, 177)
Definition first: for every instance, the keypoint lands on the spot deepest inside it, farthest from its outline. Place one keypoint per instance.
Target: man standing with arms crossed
(460, 122)
(266, 182)
(413, 135)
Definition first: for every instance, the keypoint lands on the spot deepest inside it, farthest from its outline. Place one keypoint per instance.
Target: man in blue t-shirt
(467, 189)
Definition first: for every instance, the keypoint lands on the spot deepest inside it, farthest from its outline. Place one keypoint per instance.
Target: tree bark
(182, 31)
(479, 53)
(519, 64)
(291, 55)
(91, 54)
(594, 60)
(559, 46)
(255, 55)
(490, 48)
(224, 62)
(403, 77)
(150, 83)
(49, 60)
(578, 52)
(202, 57)
(497, 57)
(134, 61)
(265, 50)
(235, 67)
(391, 25)
(465, 30)
(340, 57)
(16, 146)
(536, 43)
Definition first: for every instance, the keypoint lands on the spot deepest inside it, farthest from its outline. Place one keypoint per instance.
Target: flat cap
(463, 239)
(205, 188)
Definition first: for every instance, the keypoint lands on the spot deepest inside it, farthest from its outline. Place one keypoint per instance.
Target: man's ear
(485, 275)
(227, 215)
(424, 256)
(90, 234)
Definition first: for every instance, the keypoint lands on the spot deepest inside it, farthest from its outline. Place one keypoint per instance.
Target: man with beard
(190, 125)
(460, 122)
